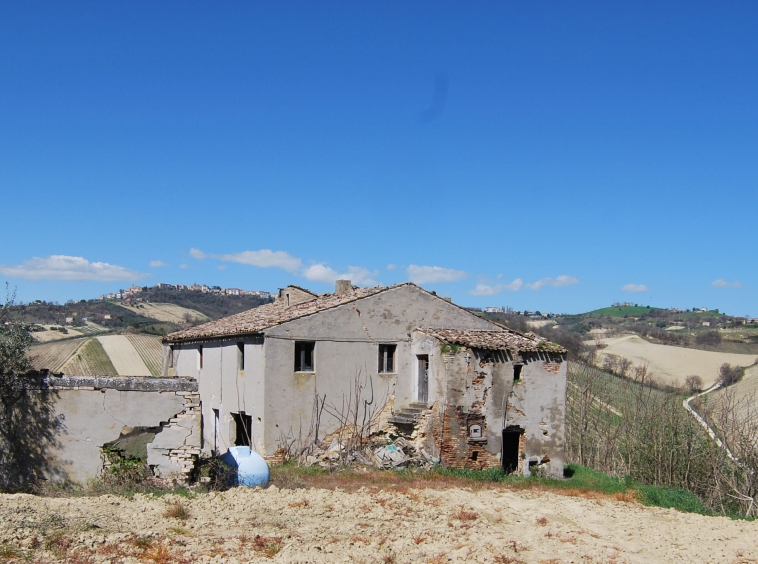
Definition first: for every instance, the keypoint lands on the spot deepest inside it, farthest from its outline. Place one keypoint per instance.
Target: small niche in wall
(476, 434)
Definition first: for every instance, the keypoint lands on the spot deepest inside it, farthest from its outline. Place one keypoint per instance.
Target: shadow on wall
(29, 429)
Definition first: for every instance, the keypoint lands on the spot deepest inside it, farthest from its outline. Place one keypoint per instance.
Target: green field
(90, 360)
(622, 311)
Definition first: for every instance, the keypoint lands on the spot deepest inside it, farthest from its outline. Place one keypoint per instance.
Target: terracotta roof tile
(269, 315)
(507, 339)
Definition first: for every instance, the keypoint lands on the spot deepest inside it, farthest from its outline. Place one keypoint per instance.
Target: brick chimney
(342, 287)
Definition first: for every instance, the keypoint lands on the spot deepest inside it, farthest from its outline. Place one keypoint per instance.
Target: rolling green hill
(623, 311)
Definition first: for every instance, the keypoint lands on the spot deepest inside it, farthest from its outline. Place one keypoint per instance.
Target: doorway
(243, 424)
(511, 445)
(423, 378)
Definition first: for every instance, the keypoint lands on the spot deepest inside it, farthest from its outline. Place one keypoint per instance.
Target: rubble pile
(399, 453)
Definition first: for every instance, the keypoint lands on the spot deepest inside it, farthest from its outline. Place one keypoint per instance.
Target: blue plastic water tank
(251, 469)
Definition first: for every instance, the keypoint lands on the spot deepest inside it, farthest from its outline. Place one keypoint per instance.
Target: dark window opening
(517, 372)
(511, 443)
(216, 430)
(200, 356)
(243, 424)
(474, 455)
(387, 358)
(240, 356)
(171, 356)
(304, 356)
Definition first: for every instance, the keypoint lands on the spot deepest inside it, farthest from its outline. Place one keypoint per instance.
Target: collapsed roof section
(506, 339)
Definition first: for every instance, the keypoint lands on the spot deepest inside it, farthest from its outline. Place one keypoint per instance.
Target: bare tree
(694, 383)
(730, 374)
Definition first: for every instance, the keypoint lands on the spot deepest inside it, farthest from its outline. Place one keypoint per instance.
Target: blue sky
(553, 156)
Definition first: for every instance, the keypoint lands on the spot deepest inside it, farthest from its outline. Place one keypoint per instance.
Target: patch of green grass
(676, 498)
(578, 480)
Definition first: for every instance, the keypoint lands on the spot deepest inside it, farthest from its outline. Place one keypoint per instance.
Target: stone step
(398, 419)
(417, 405)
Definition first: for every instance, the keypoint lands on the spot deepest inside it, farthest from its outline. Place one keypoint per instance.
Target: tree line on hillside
(622, 421)
(113, 316)
(633, 428)
(213, 305)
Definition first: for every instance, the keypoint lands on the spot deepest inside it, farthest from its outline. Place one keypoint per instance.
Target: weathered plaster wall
(538, 404)
(228, 390)
(347, 339)
(97, 410)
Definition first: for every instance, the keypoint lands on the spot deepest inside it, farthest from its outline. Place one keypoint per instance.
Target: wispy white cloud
(356, 274)
(391, 266)
(318, 272)
(69, 268)
(264, 258)
(221, 267)
(558, 282)
(183, 266)
(158, 264)
(721, 283)
(495, 289)
(433, 274)
(635, 288)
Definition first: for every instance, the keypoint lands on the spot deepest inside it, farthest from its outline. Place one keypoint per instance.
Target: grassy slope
(150, 350)
(579, 481)
(90, 360)
(621, 311)
(55, 354)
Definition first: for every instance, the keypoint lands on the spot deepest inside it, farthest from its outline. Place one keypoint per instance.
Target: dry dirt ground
(368, 525)
(48, 335)
(672, 364)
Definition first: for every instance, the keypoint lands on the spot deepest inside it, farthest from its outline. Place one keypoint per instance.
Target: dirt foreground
(369, 525)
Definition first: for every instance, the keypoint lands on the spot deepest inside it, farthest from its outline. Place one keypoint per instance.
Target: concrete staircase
(408, 415)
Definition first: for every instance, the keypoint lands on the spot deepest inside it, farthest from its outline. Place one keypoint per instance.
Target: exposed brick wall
(458, 450)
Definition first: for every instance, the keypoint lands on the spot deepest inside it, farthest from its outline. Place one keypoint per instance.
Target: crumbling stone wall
(177, 445)
(473, 398)
(97, 411)
(478, 389)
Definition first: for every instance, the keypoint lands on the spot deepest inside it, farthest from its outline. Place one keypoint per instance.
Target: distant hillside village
(132, 294)
(510, 311)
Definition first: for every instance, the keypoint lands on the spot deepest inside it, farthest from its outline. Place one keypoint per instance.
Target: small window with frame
(200, 357)
(387, 359)
(304, 353)
(171, 356)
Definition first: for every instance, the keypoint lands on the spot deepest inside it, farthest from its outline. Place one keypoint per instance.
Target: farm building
(471, 393)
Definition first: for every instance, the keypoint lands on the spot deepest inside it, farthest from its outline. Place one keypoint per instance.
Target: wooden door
(423, 378)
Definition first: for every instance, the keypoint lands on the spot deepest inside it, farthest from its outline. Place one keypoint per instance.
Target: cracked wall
(477, 388)
(97, 411)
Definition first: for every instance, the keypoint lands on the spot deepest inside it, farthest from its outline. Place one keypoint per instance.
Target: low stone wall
(98, 411)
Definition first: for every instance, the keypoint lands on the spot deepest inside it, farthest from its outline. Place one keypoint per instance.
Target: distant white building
(493, 309)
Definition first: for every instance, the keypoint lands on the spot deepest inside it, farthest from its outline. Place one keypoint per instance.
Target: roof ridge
(226, 325)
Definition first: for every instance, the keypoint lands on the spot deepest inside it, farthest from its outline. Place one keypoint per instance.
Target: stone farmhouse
(470, 392)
